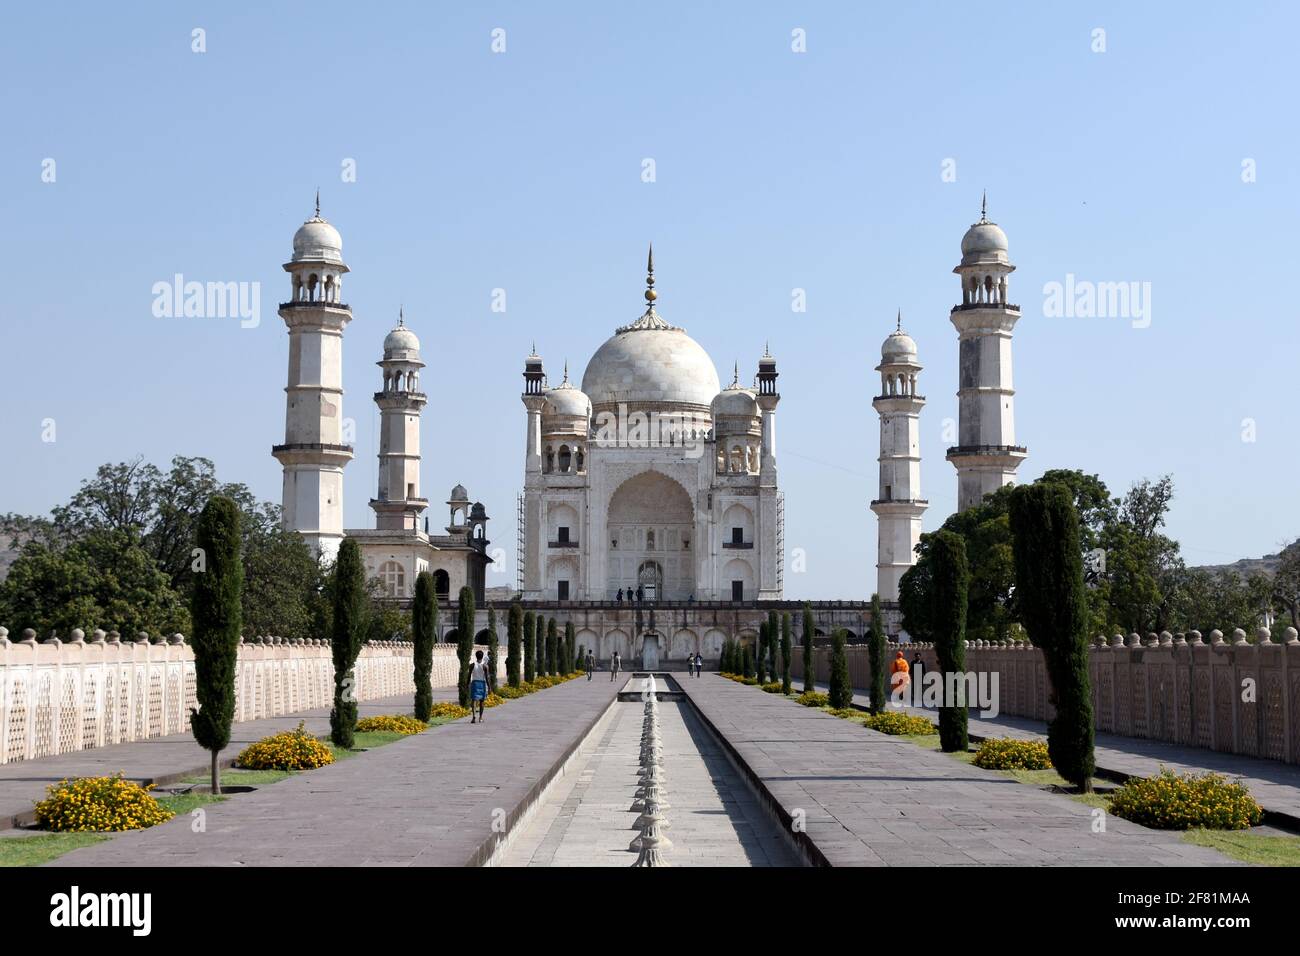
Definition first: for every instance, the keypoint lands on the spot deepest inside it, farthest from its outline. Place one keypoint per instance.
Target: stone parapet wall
(56, 698)
(1226, 695)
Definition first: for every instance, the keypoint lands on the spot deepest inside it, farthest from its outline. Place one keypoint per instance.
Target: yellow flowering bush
(506, 692)
(1007, 753)
(447, 708)
(847, 713)
(772, 687)
(1170, 801)
(392, 724)
(493, 700)
(101, 804)
(290, 750)
(814, 698)
(900, 725)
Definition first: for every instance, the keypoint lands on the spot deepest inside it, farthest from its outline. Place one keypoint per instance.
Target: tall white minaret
(986, 456)
(314, 453)
(398, 503)
(899, 506)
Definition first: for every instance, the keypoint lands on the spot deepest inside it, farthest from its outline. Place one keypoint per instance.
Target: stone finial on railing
(1166, 639)
(1263, 636)
(1216, 637)
(1153, 639)
(78, 636)
(1117, 640)
(4, 637)
(1238, 637)
(53, 639)
(1195, 638)
(29, 637)
(177, 638)
(142, 637)
(1135, 639)
(114, 637)
(1180, 639)
(1292, 636)
(97, 636)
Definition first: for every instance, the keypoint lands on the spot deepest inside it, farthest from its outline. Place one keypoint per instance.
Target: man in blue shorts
(478, 687)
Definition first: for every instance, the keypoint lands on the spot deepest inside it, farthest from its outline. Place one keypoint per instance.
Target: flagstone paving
(429, 799)
(715, 818)
(874, 800)
(1274, 784)
(162, 759)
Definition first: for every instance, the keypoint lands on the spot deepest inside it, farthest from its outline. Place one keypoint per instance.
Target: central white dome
(651, 364)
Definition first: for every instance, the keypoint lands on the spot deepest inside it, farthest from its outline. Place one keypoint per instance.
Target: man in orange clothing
(899, 678)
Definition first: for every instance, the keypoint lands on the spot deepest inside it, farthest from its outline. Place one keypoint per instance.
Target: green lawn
(1247, 847)
(43, 847)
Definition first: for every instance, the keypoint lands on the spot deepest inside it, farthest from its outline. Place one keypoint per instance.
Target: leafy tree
(1286, 581)
(841, 689)
(1053, 602)
(531, 654)
(514, 641)
(105, 579)
(809, 658)
(464, 640)
(570, 661)
(424, 630)
(876, 653)
(494, 648)
(951, 578)
(787, 647)
(350, 624)
(216, 613)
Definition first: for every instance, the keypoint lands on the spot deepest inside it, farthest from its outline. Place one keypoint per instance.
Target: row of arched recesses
(569, 459)
(674, 643)
(310, 287)
(984, 288)
(402, 381)
(901, 384)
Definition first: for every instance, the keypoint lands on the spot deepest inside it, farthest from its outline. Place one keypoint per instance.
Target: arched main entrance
(651, 526)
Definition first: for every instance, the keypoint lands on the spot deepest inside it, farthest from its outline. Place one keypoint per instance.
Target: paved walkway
(715, 819)
(161, 760)
(1275, 785)
(873, 800)
(430, 799)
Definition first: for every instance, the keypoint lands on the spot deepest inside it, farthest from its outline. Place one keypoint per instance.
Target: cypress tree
(552, 648)
(580, 661)
(570, 660)
(494, 648)
(217, 617)
(464, 641)
(530, 647)
(787, 647)
(950, 583)
(841, 691)
(747, 662)
(725, 664)
(424, 628)
(809, 659)
(773, 645)
(514, 641)
(351, 620)
(541, 646)
(1053, 606)
(876, 652)
(761, 666)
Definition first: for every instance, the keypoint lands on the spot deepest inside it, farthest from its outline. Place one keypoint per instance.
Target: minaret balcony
(314, 304)
(919, 502)
(1004, 452)
(990, 306)
(312, 453)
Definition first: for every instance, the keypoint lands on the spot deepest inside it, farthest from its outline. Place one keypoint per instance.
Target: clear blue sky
(775, 171)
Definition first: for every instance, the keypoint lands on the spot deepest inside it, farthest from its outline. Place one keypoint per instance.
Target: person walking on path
(591, 664)
(478, 687)
(899, 677)
(699, 663)
(614, 663)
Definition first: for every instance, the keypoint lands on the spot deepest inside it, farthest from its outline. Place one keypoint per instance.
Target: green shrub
(749, 681)
(1170, 801)
(392, 724)
(772, 687)
(1007, 753)
(901, 725)
(814, 698)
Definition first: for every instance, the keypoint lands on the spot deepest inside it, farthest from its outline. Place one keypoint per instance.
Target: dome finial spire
(317, 202)
(984, 207)
(566, 372)
(401, 315)
(650, 294)
(735, 375)
(899, 326)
